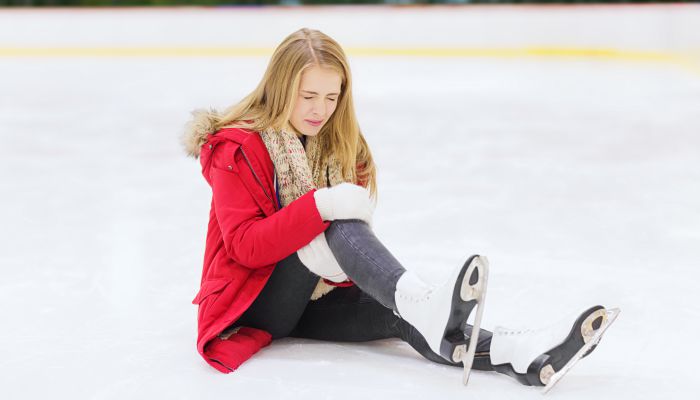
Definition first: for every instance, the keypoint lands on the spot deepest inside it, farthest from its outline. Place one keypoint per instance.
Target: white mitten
(319, 259)
(344, 201)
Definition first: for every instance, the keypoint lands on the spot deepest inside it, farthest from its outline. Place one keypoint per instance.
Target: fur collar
(197, 129)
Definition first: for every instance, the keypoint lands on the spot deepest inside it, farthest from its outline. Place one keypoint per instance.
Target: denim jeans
(357, 313)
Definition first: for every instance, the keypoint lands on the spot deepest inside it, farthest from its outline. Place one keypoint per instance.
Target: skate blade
(475, 292)
(591, 339)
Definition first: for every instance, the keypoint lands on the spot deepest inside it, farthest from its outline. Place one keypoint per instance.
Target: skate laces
(417, 298)
(504, 331)
(508, 331)
(411, 287)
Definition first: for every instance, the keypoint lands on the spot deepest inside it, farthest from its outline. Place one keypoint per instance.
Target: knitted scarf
(299, 170)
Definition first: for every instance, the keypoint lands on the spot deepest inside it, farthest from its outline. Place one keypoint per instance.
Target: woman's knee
(341, 232)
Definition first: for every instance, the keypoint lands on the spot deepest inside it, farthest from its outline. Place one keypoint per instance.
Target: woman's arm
(251, 238)
(318, 257)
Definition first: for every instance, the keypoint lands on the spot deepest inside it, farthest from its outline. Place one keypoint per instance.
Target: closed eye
(309, 98)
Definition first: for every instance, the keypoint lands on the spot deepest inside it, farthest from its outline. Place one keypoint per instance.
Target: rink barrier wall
(657, 33)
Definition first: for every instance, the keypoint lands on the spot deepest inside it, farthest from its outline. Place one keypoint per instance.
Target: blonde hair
(272, 102)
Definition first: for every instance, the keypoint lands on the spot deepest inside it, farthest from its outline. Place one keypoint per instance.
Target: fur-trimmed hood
(197, 129)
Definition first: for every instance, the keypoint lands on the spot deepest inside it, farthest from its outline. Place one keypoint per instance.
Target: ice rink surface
(577, 175)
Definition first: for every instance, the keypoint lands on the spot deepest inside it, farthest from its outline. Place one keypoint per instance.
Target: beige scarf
(299, 170)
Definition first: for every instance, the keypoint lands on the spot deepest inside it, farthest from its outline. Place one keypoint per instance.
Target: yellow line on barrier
(683, 60)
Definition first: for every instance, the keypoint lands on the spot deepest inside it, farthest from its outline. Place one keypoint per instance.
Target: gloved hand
(344, 201)
(319, 259)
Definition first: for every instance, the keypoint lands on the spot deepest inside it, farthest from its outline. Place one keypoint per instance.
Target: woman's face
(319, 90)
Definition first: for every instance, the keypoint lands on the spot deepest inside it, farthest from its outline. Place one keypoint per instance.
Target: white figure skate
(541, 357)
(440, 312)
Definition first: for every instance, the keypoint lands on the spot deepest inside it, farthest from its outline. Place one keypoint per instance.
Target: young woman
(290, 251)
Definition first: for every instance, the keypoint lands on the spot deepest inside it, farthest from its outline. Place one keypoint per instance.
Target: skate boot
(541, 357)
(440, 312)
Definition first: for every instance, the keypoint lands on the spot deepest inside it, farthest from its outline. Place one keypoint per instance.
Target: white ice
(579, 178)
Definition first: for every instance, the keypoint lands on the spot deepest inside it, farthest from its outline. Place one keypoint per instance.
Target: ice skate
(440, 312)
(541, 357)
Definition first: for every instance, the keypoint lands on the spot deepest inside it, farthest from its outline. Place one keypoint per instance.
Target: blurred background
(560, 140)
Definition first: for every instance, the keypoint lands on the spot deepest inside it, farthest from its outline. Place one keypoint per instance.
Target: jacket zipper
(258, 179)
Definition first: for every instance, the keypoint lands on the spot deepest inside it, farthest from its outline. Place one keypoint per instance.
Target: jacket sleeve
(252, 239)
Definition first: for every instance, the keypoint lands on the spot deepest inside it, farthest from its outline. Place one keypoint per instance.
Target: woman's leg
(347, 314)
(365, 260)
(282, 301)
(438, 311)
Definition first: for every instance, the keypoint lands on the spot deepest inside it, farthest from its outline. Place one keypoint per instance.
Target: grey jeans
(357, 313)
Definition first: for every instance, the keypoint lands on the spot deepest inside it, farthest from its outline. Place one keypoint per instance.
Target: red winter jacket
(246, 237)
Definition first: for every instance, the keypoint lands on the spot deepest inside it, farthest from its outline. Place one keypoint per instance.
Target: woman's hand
(344, 201)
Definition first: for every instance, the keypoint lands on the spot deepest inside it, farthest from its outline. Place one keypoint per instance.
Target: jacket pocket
(209, 287)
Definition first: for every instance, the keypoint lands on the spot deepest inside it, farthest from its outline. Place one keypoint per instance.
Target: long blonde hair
(272, 102)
